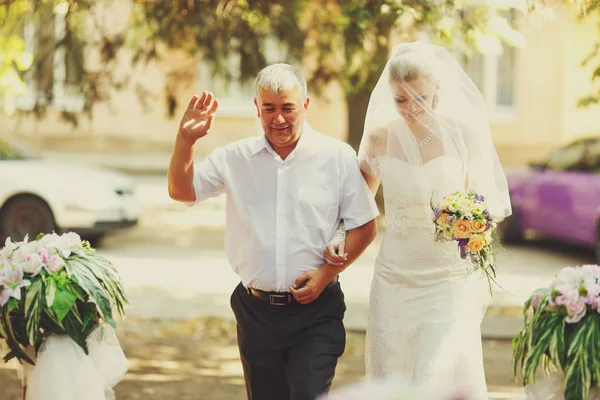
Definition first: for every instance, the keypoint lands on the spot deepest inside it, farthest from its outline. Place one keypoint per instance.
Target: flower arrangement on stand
(562, 333)
(54, 285)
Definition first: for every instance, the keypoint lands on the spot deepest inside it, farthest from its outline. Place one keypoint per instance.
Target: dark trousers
(289, 352)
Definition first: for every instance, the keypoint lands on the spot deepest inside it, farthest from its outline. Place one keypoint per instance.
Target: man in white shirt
(287, 191)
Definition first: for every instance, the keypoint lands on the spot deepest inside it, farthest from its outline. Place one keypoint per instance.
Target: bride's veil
(418, 124)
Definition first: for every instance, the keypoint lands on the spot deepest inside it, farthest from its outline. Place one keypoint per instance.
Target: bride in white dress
(426, 136)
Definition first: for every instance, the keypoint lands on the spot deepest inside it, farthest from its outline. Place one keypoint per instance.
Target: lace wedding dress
(426, 302)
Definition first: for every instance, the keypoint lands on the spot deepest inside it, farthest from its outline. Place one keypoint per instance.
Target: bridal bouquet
(562, 331)
(56, 284)
(464, 218)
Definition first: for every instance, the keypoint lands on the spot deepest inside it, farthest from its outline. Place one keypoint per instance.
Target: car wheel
(25, 215)
(511, 229)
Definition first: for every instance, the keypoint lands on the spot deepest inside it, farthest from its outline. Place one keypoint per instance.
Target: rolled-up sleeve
(209, 176)
(357, 205)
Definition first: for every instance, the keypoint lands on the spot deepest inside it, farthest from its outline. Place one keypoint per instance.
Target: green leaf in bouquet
(34, 306)
(89, 315)
(542, 329)
(578, 336)
(561, 348)
(50, 291)
(88, 282)
(594, 345)
(11, 339)
(50, 314)
(64, 300)
(577, 377)
(580, 355)
(79, 292)
(73, 329)
(12, 304)
(107, 277)
(519, 344)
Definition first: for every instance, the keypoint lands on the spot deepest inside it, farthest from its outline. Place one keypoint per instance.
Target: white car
(44, 196)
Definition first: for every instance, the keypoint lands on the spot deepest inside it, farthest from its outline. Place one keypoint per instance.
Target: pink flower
(537, 298)
(535, 303)
(566, 293)
(4, 296)
(593, 292)
(12, 281)
(54, 264)
(575, 310)
(574, 304)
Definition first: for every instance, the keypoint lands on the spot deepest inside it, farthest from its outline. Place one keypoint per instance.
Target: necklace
(426, 140)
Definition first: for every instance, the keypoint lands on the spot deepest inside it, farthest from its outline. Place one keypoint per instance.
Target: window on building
(55, 78)
(495, 74)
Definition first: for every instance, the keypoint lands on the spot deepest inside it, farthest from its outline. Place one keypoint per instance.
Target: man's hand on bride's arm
(334, 253)
(357, 240)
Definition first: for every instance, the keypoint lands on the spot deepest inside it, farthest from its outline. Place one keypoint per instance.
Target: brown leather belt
(279, 298)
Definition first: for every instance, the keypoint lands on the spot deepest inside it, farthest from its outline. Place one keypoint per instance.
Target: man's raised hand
(198, 117)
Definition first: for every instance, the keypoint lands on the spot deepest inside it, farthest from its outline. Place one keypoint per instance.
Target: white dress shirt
(281, 214)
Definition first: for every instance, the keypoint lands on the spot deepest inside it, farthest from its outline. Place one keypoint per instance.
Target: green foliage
(70, 302)
(548, 341)
(346, 42)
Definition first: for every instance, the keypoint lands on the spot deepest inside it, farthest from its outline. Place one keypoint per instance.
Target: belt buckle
(273, 299)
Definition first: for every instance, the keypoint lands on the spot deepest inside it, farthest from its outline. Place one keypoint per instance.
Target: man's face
(282, 116)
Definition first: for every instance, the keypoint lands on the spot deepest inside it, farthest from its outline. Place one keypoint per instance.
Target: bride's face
(414, 97)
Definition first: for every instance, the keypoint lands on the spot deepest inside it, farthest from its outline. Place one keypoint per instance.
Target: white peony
(32, 263)
(55, 264)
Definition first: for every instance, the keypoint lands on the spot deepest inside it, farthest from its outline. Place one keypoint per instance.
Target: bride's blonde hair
(411, 65)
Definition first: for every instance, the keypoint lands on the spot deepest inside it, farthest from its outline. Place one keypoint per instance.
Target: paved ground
(174, 267)
(198, 360)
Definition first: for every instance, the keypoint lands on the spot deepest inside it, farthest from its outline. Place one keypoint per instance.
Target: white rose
(465, 206)
(32, 264)
(55, 264)
(569, 275)
(590, 274)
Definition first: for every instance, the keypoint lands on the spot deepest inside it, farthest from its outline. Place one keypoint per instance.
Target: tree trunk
(357, 109)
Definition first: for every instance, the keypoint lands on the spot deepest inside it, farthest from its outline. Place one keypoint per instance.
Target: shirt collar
(260, 144)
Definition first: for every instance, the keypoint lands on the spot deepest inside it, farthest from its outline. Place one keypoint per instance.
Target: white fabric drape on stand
(64, 372)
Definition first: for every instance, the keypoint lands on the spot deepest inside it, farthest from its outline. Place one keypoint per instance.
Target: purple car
(559, 198)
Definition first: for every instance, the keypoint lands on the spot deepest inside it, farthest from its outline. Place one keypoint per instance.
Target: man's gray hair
(279, 77)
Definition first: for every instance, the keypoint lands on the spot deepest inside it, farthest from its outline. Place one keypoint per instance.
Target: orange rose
(441, 221)
(478, 226)
(476, 243)
(461, 229)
